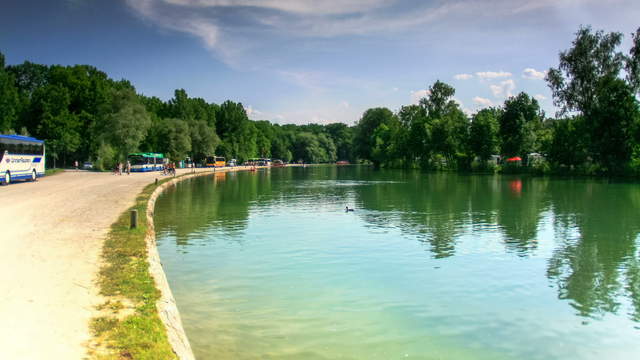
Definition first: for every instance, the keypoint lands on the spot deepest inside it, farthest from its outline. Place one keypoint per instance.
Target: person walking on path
(119, 168)
(128, 167)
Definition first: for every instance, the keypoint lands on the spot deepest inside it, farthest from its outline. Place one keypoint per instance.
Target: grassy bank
(49, 172)
(129, 326)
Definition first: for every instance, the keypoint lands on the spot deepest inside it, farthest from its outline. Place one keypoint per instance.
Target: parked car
(232, 162)
(87, 165)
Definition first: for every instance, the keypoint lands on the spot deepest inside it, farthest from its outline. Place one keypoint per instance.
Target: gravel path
(51, 235)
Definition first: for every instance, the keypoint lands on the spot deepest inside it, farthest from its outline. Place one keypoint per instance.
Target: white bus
(21, 158)
(143, 162)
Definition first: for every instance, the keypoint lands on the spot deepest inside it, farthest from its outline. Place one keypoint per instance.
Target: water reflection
(594, 264)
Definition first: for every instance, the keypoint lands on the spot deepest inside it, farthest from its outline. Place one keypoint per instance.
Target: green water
(268, 265)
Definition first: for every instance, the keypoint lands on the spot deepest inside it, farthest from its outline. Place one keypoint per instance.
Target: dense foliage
(597, 130)
(84, 115)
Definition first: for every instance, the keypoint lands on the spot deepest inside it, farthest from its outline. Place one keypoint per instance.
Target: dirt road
(51, 235)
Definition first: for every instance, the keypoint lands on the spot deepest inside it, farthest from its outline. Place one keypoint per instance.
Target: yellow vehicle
(215, 161)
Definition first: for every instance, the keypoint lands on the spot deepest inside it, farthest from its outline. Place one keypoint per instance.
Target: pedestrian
(119, 168)
(128, 167)
(75, 163)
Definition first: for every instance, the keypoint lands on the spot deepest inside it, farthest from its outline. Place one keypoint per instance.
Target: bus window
(137, 160)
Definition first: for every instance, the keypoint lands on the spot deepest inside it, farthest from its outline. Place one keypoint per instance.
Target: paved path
(51, 235)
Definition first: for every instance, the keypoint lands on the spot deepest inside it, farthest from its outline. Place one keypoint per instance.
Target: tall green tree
(449, 126)
(414, 136)
(614, 125)
(633, 63)
(307, 148)
(439, 100)
(483, 133)
(126, 124)
(54, 123)
(177, 142)
(592, 58)
(9, 100)
(518, 121)
(568, 145)
(342, 136)
(238, 133)
(364, 139)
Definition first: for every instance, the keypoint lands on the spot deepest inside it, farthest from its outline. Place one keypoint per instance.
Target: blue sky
(301, 61)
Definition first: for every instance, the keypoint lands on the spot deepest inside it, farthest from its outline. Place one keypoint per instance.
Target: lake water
(268, 265)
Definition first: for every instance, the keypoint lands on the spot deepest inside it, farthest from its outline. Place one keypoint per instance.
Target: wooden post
(134, 219)
(156, 181)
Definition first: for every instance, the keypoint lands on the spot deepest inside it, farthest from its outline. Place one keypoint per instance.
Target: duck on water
(346, 209)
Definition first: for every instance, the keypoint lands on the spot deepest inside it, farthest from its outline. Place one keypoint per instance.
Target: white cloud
(253, 113)
(504, 89)
(482, 102)
(418, 94)
(312, 7)
(465, 110)
(345, 104)
(234, 29)
(540, 97)
(462, 76)
(533, 74)
(493, 74)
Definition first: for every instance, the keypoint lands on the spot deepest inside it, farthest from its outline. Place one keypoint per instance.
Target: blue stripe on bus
(21, 177)
(147, 169)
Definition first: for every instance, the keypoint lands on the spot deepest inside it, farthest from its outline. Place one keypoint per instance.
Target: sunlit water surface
(268, 265)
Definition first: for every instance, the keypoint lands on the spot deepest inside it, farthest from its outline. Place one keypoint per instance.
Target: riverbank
(53, 233)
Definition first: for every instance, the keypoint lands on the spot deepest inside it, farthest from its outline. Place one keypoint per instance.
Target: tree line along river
(428, 266)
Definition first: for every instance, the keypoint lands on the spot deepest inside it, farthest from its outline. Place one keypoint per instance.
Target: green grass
(49, 172)
(125, 275)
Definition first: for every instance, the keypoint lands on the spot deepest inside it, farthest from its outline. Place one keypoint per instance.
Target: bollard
(156, 181)
(134, 219)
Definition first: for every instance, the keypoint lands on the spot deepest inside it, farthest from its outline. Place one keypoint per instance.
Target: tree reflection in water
(594, 266)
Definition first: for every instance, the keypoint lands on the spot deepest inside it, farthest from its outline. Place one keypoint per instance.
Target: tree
(483, 133)
(614, 125)
(204, 139)
(364, 141)
(447, 124)
(177, 142)
(342, 136)
(329, 148)
(127, 123)
(592, 58)
(439, 99)
(413, 137)
(53, 121)
(633, 63)
(568, 145)
(385, 136)
(307, 148)
(518, 122)
(9, 100)
(238, 133)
